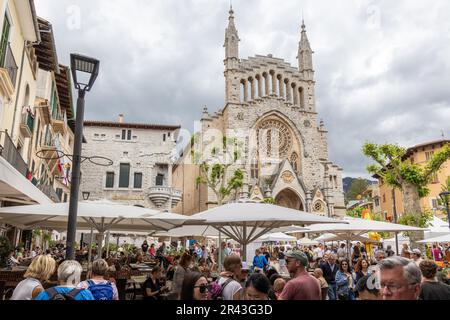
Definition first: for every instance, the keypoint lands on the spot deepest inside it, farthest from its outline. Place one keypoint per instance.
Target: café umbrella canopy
(437, 227)
(329, 237)
(358, 226)
(101, 215)
(276, 237)
(245, 222)
(444, 238)
(307, 242)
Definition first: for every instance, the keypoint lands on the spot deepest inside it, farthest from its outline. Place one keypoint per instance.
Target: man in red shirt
(303, 286)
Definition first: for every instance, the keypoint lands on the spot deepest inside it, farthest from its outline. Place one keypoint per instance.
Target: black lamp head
(84, 66)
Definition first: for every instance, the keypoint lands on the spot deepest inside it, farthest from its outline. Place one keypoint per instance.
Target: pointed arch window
(294, 161)
(254, 169)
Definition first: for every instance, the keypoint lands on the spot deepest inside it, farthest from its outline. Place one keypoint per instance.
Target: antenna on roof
(442, 133)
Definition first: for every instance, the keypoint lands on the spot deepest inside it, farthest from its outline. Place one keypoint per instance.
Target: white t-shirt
(318, 252)
(230, 289)
(341, 253)
(24, 289)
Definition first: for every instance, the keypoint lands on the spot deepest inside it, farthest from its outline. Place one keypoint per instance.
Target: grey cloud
(382, 68)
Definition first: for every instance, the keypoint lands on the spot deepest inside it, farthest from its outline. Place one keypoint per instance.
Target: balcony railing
(9, 151)
(9, 63)
(159, 195)
(49, 140)
(49, 192)
(27, 124)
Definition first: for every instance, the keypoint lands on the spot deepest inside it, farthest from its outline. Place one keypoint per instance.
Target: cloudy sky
(382, 67)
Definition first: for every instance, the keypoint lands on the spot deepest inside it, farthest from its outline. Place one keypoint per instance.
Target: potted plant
(5, 249)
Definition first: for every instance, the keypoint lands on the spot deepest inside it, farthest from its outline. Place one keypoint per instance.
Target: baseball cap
(417, 251)
(299, 256)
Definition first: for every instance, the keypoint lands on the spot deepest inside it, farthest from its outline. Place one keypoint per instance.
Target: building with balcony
(53, 120)
(36, 113)
(18, 85)
(141, 173)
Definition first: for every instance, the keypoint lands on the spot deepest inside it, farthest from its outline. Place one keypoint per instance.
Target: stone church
(270, 114)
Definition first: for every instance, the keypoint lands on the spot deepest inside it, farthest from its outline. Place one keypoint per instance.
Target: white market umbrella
(357, 227)
(189, 231)
(343, 237)
(437, 227)
(360, 226)
(307, 242)
(444, 238)
(100, 215)
(247, 221)
(276, 237)
(400, 238)
(324, 237)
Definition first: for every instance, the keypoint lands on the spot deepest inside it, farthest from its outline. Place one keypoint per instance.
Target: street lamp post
(82, 68)
(445, 196)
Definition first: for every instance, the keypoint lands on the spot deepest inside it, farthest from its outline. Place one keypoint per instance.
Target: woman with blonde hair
(41, 269)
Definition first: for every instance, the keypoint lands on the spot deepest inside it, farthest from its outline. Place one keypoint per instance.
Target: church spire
(304, 51)
(231, 38)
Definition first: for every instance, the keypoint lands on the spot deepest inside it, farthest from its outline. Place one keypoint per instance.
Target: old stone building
(270, 114)
(141, 173)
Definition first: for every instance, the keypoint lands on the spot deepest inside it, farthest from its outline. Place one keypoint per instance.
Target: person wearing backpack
(230, 288)
(69, 274)
(100, 288)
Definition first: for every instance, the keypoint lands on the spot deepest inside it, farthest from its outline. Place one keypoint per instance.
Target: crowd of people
(202, 272)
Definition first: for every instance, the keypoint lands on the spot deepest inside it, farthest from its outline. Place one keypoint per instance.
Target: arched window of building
(301, 97)
(294, 161)
(254, 168)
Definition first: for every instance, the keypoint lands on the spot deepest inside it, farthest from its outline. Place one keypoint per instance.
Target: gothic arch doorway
(289, 199)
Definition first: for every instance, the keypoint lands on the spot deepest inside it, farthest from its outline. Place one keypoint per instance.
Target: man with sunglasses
(302, 286)
(400, 279)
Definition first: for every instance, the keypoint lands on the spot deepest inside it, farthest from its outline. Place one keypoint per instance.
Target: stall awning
(14, 187)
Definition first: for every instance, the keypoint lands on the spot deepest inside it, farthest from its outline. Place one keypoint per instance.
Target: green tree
(355, 212)
(445, 187)
(357, 187)
(398, 172)
(214, 172)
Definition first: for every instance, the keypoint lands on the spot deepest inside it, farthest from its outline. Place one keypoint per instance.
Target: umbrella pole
(90, 248)
(220, 252)
(100, 245)
(107, 244)
(244, 245)
(396, 242)
(348, 253)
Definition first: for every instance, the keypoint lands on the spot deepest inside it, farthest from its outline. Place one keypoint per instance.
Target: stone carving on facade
(287, 177)
(256, 194)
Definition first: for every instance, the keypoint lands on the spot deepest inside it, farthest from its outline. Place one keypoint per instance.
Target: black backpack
(55, 295)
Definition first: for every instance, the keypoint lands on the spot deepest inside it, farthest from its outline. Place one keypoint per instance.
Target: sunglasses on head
(202, 288)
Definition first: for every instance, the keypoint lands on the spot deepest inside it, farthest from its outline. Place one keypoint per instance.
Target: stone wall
(146, 153)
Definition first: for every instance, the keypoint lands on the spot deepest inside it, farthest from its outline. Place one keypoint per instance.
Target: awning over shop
(14, 187)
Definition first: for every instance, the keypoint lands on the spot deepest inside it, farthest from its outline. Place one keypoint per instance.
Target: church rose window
(318, 207)
(274, 138)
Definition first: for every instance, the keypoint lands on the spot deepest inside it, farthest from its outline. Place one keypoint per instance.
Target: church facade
(271, 120)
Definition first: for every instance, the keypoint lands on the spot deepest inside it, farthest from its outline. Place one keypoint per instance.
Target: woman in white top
(40, 269)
